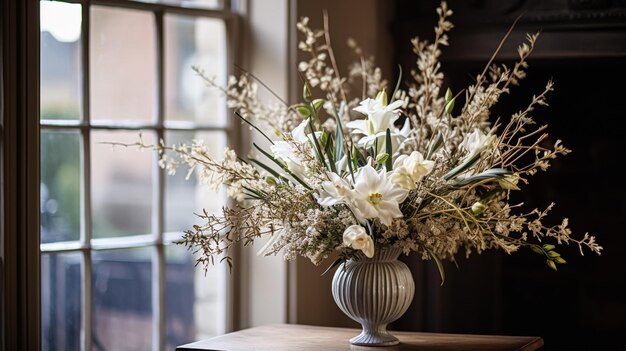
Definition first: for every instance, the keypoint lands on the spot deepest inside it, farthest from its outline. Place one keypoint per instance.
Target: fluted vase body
(374, 292)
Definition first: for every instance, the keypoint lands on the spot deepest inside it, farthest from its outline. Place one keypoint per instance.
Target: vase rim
(381, 253)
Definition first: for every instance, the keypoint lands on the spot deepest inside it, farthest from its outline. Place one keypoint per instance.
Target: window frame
(19, 229)
(20, 127)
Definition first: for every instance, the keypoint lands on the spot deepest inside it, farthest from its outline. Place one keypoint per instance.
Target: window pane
(184, 198)
(61, 306)
(60, 67)
(123, 64)
(122, 299)
(190, 42)
(121, 184)
(195, 301)
(60, 186)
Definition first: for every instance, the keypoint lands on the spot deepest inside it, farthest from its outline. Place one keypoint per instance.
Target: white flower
(380, 117)
(375, 196)
(409, 170)
(298, 133)
(285, 152)
(334, 191)
(476, 142)
(356, 237)
(342, 164)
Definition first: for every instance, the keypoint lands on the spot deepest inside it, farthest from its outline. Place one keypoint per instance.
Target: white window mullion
(86, 213)
(230, 280)
(158, 298)
(158, 257)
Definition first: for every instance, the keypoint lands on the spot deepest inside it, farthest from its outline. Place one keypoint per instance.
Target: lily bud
(478, 208)
(509, 182)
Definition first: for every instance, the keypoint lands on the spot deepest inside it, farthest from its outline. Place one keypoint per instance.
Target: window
(111, 277)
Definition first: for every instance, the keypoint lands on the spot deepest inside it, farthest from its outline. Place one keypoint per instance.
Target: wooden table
(292, 337)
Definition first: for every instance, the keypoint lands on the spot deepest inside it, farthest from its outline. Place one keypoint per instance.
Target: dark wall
(583, 49)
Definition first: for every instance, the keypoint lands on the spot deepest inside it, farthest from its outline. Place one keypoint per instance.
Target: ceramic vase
(374, 292)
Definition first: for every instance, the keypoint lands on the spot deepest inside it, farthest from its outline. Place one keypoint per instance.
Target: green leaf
(439, 265)
(537, 249)
(253, 126)
(493, 173)
(338, 142)
(551, 264)
(360, 159)
(382, 158)
(560, 260)
(450, 106)
(316, 144)
(389, 150)
(271, 180)
(268, 155)
(463, 166)
(317, 103)
(328, 149)
(324, 138)
(435, 145)
(448, 96)
(306, 92)
(303, 110)
(268, 169)
(342, 146)
(333, 265)
(553, 254)
(339, 132)
(257, 194)
(548, 247)
(282, 165)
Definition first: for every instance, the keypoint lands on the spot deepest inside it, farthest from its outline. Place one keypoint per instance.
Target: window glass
(60, 185)
(122, 299)
(195, 299)
(200, 43)
(60, 60)
(123, 64)
(61, 306)
(121, 184)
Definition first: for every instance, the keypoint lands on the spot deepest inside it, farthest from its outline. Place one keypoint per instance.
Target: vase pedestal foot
(379, 338)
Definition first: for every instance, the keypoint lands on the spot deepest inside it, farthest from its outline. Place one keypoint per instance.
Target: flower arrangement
(352, 169)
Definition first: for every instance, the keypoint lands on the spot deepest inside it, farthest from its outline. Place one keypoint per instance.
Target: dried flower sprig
(354, 170)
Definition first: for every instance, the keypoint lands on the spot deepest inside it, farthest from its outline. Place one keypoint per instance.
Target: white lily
(285, 152)
(334, 191)
(342, 163)
(476, 142)
(298, 133)
(357, 238)
(375, 196)
(409, 170)
(380, 117)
